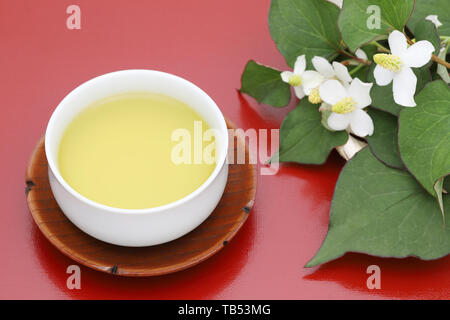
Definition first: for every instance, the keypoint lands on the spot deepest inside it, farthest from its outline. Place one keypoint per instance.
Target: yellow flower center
(295, 80)
(388, 61)
(314, 96)
(344, 106)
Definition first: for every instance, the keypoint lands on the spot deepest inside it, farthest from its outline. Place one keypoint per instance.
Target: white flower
(302, 81)
(397, 66)
(336, 71)
(434, 18)
(359, 53)
(347, 104)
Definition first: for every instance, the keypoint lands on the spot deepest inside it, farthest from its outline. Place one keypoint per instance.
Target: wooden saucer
(203, 242)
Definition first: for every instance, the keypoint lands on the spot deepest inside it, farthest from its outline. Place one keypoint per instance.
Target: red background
(207, 42)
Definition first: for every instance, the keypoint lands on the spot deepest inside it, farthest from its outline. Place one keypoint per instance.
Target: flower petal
(342, 72)
(300, 65)
(361, 123)
(299, 93)
(336, 2)
(361, 54)
(418, 54)
(311, 80)
(360, 91)
(404, 87)
(285, 75)
(382, 75)
(434, 18)
(397, 43)
(332, 91)
(337, 121)
(323, 66)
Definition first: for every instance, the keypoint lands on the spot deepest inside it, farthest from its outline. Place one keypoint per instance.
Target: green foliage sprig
(376, 70)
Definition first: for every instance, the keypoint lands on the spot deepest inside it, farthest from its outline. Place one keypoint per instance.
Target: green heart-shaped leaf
(362, 21)
(424, 8)
(383, 142)
(265, 85)
(303, 139)
(424, 136)
(304, 27)
(384, 212)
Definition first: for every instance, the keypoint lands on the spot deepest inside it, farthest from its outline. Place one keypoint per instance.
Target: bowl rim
(92, 82)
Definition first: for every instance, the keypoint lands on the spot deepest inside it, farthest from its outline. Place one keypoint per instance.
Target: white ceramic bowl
(137, 227)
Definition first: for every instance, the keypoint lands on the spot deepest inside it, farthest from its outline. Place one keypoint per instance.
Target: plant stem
(382, 48)
(366, 62)
(440, 61)
(445, 39)
(356, 69)
(333, 56)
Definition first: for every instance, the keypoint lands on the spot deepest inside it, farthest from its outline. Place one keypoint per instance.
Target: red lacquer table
(207, 42)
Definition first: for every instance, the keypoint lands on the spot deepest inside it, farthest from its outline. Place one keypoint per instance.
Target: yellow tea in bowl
(118, 151)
